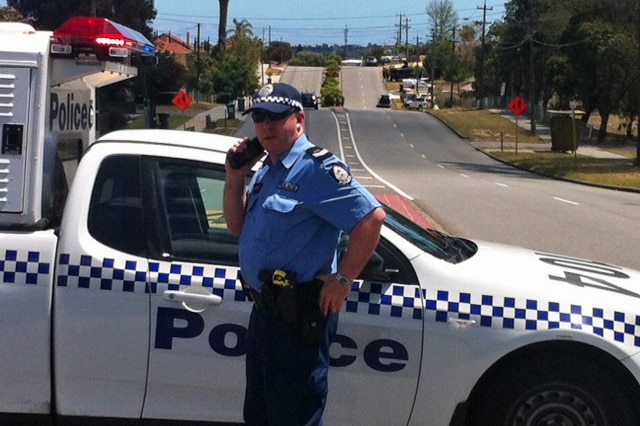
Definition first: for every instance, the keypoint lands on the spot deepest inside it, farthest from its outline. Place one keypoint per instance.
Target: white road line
(464, 176)
(566, 201)
(355, 148)
(504, 185)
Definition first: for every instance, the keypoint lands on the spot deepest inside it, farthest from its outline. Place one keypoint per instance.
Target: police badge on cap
(276, 98)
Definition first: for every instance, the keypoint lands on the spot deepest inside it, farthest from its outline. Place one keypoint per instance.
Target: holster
(296, 303)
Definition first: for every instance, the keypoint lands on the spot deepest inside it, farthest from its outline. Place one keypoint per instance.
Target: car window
(191, 196)
(116, 215)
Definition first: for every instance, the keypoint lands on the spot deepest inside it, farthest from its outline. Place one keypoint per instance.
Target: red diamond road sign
(518, 105)
(181, 100)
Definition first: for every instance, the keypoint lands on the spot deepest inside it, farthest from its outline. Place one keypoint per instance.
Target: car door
(101, 305)
(199, 313)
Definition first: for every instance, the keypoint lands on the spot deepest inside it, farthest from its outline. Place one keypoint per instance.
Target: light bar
(101, 36)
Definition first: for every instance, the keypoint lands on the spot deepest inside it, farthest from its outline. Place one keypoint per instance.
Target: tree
(10, 14)
(308, 59)
(236, 76)
(222, 24)
(443, 18)
(279, 52)
(242, 29)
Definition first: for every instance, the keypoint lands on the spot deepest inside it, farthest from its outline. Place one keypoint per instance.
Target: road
(463, 190)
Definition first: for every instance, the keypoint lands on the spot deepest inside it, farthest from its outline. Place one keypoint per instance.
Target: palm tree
(243, 29)
(222, 24)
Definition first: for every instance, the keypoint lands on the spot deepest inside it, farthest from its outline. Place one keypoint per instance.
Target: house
(176, 46)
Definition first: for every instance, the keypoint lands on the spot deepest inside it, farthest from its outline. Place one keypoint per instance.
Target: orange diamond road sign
(181, 100)
(518, 105)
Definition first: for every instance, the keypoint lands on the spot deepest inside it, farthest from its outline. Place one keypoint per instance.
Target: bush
(451, 101)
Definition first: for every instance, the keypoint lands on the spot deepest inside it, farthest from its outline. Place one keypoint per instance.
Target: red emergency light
(100, 36)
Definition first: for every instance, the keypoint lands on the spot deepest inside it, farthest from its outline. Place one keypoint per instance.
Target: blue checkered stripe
(223, 281)
(23, 267)
(396, 300)
(527, 314)
(88, 272)
(131, 276)
(520, 314)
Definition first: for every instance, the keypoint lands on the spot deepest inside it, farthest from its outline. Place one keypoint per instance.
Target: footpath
(544, 131)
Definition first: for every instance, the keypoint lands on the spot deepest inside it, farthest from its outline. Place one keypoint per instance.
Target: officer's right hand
(237, 148)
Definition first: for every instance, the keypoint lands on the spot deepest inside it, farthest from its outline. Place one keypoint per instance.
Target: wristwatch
(344, 280)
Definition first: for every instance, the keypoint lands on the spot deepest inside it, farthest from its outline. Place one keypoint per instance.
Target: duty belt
(266, 299)
(292, 302)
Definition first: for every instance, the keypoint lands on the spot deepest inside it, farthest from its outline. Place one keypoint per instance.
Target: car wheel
(576, 393)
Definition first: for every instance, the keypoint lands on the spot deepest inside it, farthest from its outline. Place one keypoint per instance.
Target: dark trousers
(287, 384)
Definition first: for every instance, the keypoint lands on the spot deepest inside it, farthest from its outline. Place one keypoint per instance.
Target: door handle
(461, 323)
(194, 302)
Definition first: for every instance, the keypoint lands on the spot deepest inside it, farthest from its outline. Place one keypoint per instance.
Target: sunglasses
(260, 115)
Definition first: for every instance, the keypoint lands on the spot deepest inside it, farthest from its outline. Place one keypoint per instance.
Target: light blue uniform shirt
(297, 209)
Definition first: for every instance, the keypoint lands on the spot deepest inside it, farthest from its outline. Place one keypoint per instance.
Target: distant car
(384, 102)
(371, 61)
(309, 100)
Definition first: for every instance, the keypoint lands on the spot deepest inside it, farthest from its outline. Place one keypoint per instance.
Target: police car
(149, 317)
(437, 329)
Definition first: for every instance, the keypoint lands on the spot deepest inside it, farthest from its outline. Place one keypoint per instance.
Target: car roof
(178, 138)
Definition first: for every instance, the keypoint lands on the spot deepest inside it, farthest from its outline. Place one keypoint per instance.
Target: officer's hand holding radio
(245, 154)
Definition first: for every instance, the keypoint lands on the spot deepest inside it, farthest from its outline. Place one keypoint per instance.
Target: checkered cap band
(277, 100)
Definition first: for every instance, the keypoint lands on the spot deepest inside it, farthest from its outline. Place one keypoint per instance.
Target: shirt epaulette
(318, 153)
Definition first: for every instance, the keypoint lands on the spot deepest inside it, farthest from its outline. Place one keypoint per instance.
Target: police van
(128, 309)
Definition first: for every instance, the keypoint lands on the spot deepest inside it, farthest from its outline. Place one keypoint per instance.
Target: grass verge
(600, 171)
(483, 125)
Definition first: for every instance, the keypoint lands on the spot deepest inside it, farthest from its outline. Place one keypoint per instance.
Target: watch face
(343, 280)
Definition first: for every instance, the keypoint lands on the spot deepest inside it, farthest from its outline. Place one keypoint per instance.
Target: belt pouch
(287, 303)
(311, 322)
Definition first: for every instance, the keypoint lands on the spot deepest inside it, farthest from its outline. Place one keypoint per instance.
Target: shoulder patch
(341, 175)
(318, 153)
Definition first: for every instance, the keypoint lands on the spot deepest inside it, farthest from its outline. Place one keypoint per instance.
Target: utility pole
(198, 65)
(399, 36)
(638, 128)
(406, 36)
(346, 38)
(481, 75)
(453, 54)
(532, 69)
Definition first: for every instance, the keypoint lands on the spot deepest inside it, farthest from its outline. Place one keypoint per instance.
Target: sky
(311, 22)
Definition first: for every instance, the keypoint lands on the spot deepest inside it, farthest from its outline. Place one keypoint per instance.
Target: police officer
(290, 218)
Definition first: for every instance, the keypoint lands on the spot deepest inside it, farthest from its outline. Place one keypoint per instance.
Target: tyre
(545, 391)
